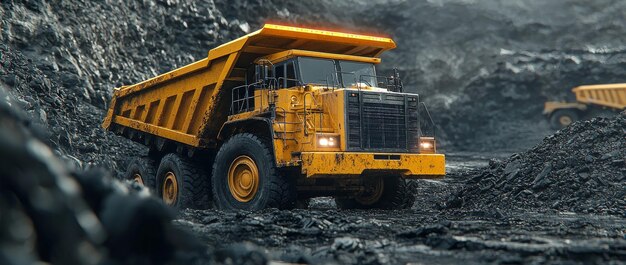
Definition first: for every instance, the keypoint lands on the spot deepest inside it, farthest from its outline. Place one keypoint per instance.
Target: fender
(256, 125)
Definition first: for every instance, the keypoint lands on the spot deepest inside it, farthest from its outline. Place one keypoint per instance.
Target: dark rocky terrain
(581, 168)
(485, 69)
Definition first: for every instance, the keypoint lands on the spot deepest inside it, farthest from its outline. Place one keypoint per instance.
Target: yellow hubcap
(243, 178)
(565, 120)
(170, 188)
(373, 191)
(137, 178)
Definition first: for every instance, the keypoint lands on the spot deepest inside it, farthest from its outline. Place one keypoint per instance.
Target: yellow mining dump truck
(276, 117)
(591, 100)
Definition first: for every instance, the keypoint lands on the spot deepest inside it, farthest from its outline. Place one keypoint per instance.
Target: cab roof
(285, 55)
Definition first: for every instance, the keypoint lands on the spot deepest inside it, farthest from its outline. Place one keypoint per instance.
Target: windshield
(316, 71)
(353, 72)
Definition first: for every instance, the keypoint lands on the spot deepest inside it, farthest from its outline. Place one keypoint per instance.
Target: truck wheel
(381, 193)
(181, 183)
(245, 177)
(563, 118)
(143, 171)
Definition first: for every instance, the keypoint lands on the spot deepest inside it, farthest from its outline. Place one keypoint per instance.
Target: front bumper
(352, 164)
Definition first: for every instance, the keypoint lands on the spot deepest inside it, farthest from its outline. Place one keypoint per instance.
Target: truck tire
(181, 183)
(246, 178)
(391, 193)
(143, 171)
(562, 118)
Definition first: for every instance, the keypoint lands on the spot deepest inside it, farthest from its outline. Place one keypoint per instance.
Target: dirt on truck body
(276, 117)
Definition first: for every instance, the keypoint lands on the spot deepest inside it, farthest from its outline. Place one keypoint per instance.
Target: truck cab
(338, 123)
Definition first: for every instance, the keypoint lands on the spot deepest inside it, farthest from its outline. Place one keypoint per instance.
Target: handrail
(390, 82)
(246, 97)
(430, 119)
(284, 126)
(306, 133)
(335, 81)
(299, 83)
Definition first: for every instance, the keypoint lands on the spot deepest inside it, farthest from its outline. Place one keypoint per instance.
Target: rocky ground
(562, 201)
(484, 67)
(417, 236)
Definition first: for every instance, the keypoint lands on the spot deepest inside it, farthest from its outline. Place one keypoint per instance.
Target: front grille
(381, 122)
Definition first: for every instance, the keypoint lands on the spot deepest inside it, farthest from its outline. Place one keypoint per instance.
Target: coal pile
(581, 169)
(62, 60)
(70, 125)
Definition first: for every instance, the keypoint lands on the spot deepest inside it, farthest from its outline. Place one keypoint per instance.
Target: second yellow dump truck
(276, 117)
(591, 100)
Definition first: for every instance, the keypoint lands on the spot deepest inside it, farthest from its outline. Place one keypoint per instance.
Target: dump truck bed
(190, 104)
(609, 95)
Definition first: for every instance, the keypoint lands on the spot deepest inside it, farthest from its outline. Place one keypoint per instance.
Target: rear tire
(181, 183)
(245, 177)
(563, 118)
(143, 171)
(396, 194)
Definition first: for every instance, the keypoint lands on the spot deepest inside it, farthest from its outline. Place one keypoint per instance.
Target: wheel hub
(243, 178)
(170, 189)
(565, 120)
(138, 179)
(373, 191)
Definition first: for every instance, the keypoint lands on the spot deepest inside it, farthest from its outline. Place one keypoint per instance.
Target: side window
(270, 72)
(280, 75)
(291, 75)
(251, 74)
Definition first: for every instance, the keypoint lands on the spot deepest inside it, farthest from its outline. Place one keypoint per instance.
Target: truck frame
(276, 117)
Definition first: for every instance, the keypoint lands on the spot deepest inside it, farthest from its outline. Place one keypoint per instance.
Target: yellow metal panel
(330, 36)
(157, 130)
(600, 86)
(192, 107)
(281, 56)
(106, 124)
(337, 164)
(551, 106)
(217, 111)
(608, 95)
(230, 47)
(171, 119)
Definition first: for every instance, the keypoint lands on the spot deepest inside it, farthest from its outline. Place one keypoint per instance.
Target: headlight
(427, 145)
(325, 140)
